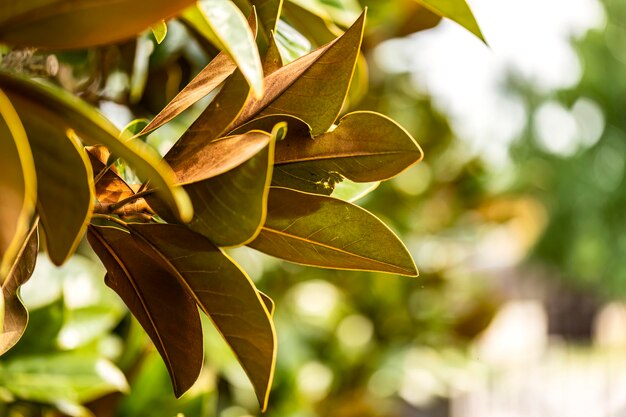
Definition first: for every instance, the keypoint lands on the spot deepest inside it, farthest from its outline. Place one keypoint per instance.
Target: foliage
(263, 165)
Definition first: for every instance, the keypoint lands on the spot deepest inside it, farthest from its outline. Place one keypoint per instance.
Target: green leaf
(155, 297)
(225, 26)
(224, 292)
(61, 377)
(228, 181)
(82, 23)
(316, 25)
(65, 193)
(322, 231)
(159, 31)
(65, 111)
(314, 87)
(206, 81)
(364, 147)
(272, 60)
(456, 10)
(291, 43)
(15, 314)
(269, 13)
(352, 191)
(18, 185)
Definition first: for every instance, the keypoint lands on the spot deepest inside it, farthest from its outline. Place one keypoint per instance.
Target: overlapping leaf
(15, 314)
(224, 292)
(110, 187)
(272, 60)
(156, 298)
(63, 111)
(18, 184)
(61, 24)
(364, 147)
(222, 177)
(226, 27)
(322, 231)
(312, 88)
(456, 10)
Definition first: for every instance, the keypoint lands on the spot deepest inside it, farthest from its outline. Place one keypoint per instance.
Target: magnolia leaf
(269, 13)
(352, 191)
(65, 194)
(224, 25)
(272, 60)
(364, 147)
(206, 81)
(65, 111)
(228, 181)
(224, 292)
(456, 10)
(18, 185)
(144, 47)
(134, 128)
(314, 87)
(269, 303)
(215, 119)
(159, 31)
(291, 43)
(82, 23)
(322, 231)
(53, 378)
(15, 314)
(316, 24)
(156, 298)
(110, 187)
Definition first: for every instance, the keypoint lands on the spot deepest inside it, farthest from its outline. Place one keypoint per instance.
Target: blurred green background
(516, 219)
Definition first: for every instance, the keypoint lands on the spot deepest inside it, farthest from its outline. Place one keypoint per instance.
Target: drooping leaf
(15, 314)
(224, 292)
(155, 297)
(322, 231)
(65, 194)
(61, 377)
(364, 147)
(312, 88)
(61, 24)
(206, 81)
(18, 185)
(228, 181)
(159, 30)
(456, 10)
(224, 25)
(64, 111)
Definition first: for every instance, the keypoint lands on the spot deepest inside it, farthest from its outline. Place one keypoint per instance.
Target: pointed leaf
(364, 147)
(272, 60)
(65, 111)
(269, 303)
(155, 297)
(456, 10)
(325, 232)
(224, 25)
(110, 187)
(228, 181)
(159, 31)
(61, 377)
(318, 27)
(82, 23)
(15, 314)
(206, 81)
(314, 87)
(18, 184)
(224, 292)
(269, 13)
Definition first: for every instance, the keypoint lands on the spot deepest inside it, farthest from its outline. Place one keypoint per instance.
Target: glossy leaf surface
(156, 298)
(325, 232)
(224, 292)
(15, 314)
(61, 24)
(312, 88)
(224, 25)
(18, 184)
(364, 147)
(65, 111)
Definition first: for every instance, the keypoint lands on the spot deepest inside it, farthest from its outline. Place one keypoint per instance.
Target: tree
(261, 166)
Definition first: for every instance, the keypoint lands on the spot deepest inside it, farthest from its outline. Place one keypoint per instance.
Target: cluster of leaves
(260, 167)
